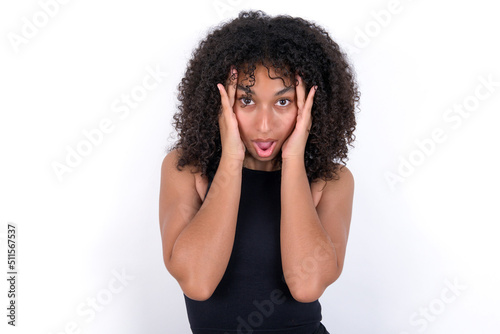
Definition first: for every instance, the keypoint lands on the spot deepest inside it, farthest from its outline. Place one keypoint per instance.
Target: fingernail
(315, 87)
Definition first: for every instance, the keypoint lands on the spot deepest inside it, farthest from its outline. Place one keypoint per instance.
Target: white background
(435, 227)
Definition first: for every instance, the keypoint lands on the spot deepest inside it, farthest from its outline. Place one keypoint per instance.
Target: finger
(231, 89)
(224, 99)
(300, 90)
(310, 98)
(305, 113)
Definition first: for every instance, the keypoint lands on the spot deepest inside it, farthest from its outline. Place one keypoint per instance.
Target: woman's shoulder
(190, 173)
(344, 178)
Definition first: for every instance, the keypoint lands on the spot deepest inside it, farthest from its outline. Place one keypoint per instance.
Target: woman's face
(266, 114)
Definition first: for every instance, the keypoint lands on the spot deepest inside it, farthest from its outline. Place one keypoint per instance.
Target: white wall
(435, 227)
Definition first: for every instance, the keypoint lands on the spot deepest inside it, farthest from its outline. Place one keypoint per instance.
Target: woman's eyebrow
(284, 90)
(246, 89)
(249, 91)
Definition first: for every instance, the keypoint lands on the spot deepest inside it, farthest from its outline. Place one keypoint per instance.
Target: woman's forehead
(248, 76)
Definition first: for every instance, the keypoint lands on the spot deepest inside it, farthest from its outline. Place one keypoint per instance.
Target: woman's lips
(264, 148)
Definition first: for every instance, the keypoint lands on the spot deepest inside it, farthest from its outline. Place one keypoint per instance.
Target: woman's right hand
(232, 145)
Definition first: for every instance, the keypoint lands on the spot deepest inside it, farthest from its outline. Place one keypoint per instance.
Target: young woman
(255, 206)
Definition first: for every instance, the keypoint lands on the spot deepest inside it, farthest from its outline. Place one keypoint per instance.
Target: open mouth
(264, 148)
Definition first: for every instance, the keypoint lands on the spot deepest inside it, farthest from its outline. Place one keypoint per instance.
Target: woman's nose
(264, 119)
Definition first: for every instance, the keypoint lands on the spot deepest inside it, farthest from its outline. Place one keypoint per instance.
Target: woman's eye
(283, 102)
(246, 101)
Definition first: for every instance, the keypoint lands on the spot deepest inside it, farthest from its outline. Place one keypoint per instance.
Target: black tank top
(252, 296)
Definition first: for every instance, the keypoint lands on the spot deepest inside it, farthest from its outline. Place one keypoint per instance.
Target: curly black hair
(290, 46)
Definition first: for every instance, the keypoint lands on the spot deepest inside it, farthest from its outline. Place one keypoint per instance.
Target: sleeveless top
(252, 296)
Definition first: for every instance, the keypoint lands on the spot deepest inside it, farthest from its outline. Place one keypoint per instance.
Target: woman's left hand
(295, 145)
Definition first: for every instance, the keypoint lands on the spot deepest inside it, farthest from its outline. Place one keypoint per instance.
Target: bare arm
(198, 237)
(313, 240)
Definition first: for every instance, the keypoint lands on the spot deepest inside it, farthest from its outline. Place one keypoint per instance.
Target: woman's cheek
(290, 120)
(242, 124)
